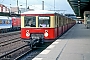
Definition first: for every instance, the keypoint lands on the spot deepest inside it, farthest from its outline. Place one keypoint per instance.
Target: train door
(58, 30)
(60, 25)
(57, 25)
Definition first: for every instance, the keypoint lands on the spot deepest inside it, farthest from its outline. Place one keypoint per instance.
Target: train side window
(30, 21)
(44, 21)
(7, 22)
(0, 21)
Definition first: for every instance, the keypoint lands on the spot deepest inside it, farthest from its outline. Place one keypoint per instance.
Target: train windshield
(44, 21)
(29, 21)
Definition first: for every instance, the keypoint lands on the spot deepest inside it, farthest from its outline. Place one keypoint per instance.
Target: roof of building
(79, 6)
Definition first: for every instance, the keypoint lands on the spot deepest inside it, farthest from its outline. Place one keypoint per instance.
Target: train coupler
(36, 42)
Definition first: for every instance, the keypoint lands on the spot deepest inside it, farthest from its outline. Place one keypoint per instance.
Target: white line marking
(37, 59)
(55, 42)
(58, 40)
(45, 52)
(51, 46)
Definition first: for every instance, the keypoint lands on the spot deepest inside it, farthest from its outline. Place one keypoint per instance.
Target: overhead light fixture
(78, 17)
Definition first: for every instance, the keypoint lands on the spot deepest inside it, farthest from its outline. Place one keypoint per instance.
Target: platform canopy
(79, 6)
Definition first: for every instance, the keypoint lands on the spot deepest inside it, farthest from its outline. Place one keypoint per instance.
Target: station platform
(73, 45)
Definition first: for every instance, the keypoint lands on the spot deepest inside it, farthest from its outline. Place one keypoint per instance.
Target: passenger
(30, 24)
(42, 25)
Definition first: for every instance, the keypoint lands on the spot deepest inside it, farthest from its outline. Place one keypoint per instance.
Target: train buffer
(73, 45)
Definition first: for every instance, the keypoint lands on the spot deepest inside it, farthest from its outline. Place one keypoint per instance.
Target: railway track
(11, 46)
(9, 38)
(18, 53)
(29, 55)
(7, 42)
(11, 54)
(14, 49)
(8, 34)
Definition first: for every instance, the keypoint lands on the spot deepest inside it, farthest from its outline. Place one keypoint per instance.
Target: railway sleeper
(6, 59)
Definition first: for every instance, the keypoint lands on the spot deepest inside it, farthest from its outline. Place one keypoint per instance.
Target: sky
(61, 5)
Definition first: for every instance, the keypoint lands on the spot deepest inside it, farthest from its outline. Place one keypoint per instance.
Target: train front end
(37, 28)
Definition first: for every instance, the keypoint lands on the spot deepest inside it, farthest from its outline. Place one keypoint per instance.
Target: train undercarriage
(35, 40)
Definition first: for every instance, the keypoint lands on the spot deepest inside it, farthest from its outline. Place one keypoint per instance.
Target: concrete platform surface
(73, 45)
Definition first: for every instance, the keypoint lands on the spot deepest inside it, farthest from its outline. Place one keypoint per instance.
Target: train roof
(39, 12)
(5, 17)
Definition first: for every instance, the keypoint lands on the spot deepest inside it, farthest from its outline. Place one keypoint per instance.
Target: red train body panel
(52, 32)
(16, 21)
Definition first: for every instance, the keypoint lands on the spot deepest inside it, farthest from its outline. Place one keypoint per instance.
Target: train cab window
(44, 21)
(30, 21)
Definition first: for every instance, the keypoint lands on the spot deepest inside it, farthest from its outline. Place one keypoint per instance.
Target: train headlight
(46, 33)
(27, 33)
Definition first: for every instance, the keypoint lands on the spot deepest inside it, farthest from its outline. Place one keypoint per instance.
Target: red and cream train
(43, 24)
